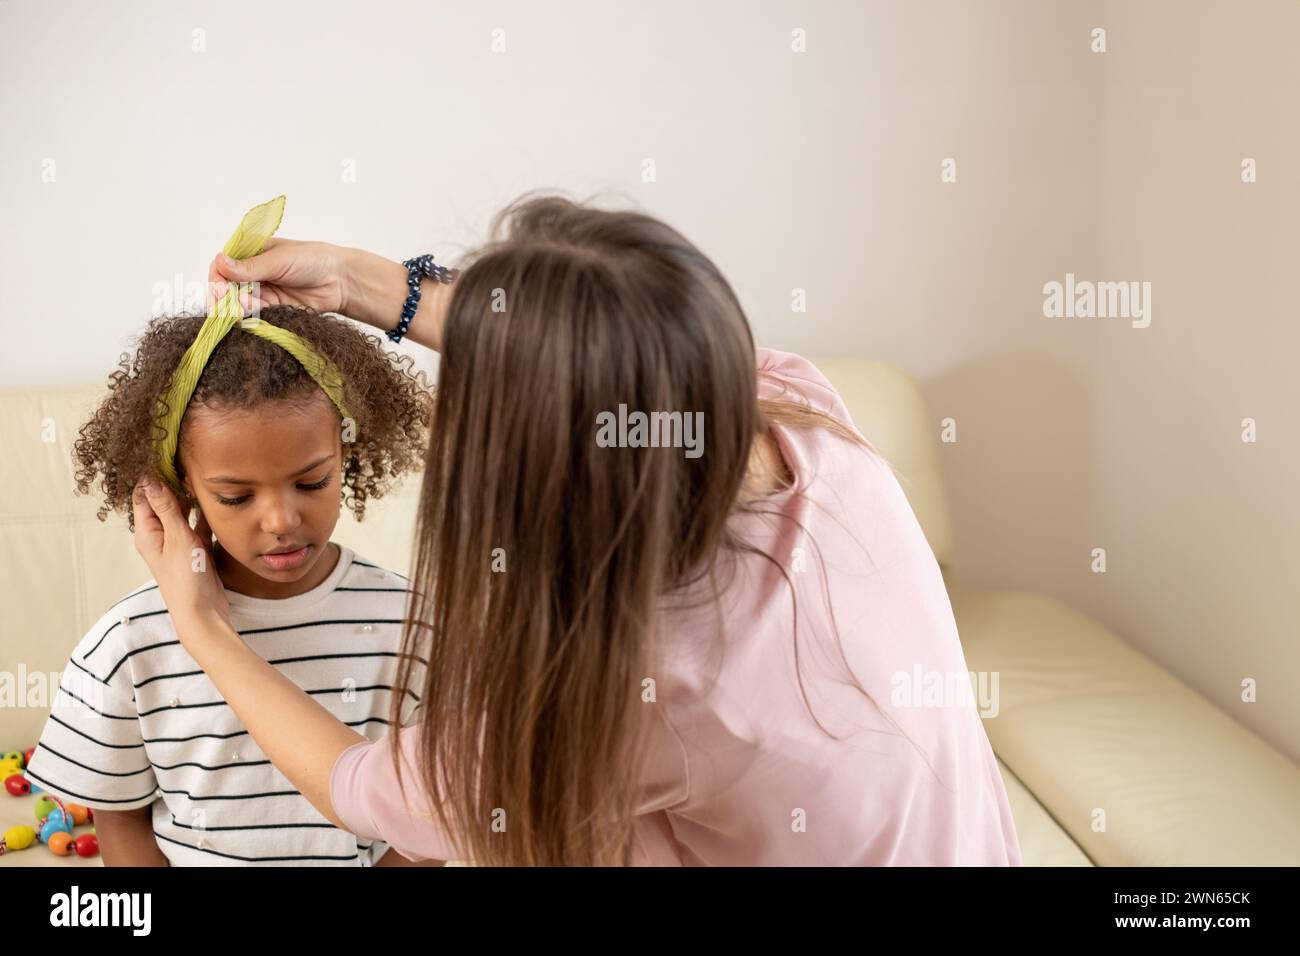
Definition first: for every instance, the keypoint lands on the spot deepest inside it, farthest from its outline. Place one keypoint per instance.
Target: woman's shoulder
(790, 376)
(815, 432)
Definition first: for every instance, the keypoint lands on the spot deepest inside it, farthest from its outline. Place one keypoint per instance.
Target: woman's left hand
(179, 556)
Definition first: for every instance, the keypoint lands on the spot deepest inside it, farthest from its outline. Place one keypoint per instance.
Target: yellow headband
(249, 239)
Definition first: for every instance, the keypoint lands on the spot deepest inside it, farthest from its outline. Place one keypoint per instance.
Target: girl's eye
(235, 502)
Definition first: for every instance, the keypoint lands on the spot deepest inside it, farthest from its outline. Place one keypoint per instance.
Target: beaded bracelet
(417, 269)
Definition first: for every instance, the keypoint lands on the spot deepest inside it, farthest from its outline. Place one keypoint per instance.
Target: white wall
(1202, 527)
(817, 170)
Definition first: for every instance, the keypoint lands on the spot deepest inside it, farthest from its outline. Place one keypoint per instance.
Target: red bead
(86, 845)
(17, 785)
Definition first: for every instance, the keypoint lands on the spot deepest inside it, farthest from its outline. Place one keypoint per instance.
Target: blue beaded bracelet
(417, 269)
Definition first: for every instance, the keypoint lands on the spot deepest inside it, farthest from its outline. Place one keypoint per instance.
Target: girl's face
(267, 480)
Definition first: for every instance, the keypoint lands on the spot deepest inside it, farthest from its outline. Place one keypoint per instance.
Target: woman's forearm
(375, 290)
(299, 736)
(393, 858)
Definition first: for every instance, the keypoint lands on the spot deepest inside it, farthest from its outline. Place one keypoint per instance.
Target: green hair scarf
(258, 225)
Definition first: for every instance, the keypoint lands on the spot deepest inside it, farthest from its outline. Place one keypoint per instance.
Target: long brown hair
(541, 557)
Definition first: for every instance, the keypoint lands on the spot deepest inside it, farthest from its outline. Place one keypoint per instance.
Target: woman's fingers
(148, 526)
(216, 292)
(251, 301)
(218, 285)
(166, 510)
(225, 275)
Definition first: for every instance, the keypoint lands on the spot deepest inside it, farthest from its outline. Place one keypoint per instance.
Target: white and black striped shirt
(137, 722)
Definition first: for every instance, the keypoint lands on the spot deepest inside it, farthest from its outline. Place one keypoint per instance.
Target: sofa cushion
(1092, 726)
(1043, 841)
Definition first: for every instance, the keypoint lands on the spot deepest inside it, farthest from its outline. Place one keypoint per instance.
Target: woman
(638, 652)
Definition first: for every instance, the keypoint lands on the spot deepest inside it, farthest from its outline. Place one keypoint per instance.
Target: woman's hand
(317, 275)
(179, 556)
(311, 275)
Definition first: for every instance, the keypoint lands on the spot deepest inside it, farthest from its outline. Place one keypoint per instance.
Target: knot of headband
(258, 225)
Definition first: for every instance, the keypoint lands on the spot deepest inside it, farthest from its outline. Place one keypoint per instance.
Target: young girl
(636, 654)
(137, 730)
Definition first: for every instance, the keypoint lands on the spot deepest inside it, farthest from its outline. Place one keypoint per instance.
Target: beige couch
(1086, 723)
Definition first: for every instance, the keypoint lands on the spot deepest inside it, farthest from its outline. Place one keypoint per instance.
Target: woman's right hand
(317, 275)
(309, 275)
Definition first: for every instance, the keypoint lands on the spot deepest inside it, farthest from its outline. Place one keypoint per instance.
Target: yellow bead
(19, 837)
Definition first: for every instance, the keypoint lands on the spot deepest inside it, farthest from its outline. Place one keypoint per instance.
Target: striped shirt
(137, 723)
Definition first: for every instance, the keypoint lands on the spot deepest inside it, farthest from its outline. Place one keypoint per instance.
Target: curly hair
(390, 404)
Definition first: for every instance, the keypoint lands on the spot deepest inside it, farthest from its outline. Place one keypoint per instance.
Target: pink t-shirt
(739, 773)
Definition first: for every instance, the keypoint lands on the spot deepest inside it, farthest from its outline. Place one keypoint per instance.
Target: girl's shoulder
(135, 621)
(364, 574)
